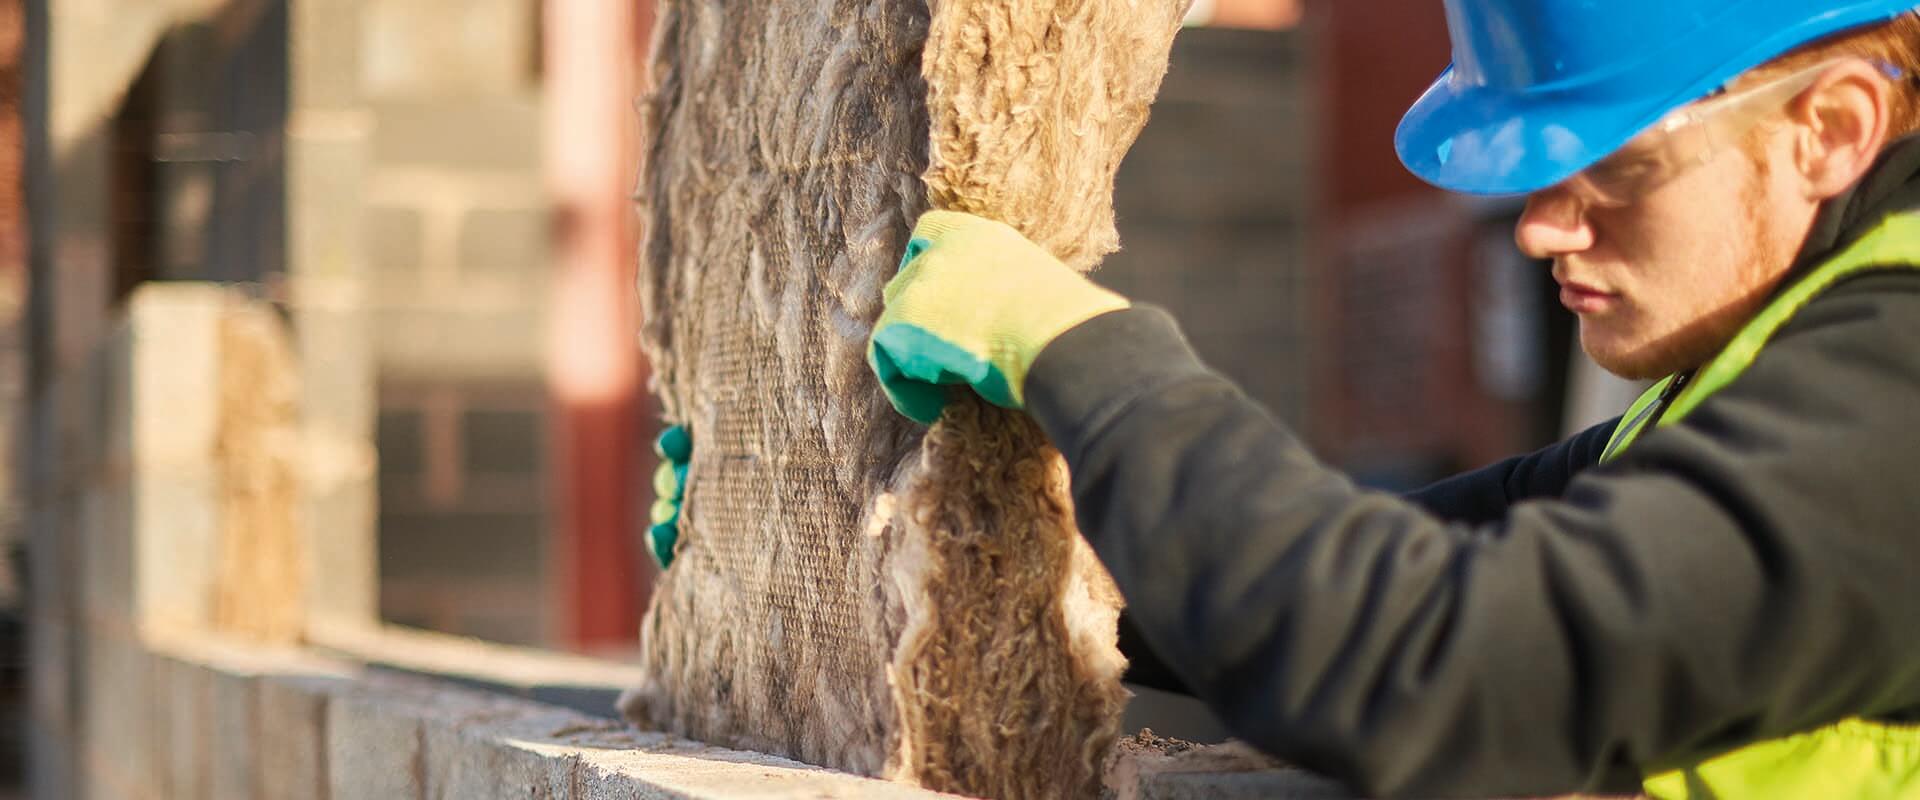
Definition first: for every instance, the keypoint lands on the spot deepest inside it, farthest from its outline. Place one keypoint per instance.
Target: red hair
(1895, 43)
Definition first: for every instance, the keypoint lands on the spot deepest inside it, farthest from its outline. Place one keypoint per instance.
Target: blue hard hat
(1541, 89)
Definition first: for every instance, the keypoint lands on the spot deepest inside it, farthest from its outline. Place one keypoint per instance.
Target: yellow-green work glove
(973, 305)
(675, 448)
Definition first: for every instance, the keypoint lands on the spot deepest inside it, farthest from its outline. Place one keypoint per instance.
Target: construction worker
(1717, 595)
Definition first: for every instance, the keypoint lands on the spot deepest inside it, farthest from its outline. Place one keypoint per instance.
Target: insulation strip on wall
(852, 589)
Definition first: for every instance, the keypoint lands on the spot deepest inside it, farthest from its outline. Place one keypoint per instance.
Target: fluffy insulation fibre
(852, 589)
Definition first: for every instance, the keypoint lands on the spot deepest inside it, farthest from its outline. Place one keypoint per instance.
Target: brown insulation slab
(260, 588)
(851, 589)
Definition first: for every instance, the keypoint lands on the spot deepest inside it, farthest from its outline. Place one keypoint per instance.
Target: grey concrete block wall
(478, 758)
(171, 342)
(292, 750)
(373, 751)
(337, 410)
(457, 229)
(450, 47)
(396, 237)
(138, 523)
(329, 728)
(1212, 205)
(326, 51)
(235, 746)
(437, 132)
(186, 729)
(328, 141)
(121, 747)
(505, 243)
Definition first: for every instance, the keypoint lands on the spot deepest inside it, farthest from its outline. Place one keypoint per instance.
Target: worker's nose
(1554, 224)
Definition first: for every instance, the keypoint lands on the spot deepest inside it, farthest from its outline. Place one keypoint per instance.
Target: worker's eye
(1623, 170)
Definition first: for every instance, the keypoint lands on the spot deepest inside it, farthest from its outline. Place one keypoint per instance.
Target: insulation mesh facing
(852, 589)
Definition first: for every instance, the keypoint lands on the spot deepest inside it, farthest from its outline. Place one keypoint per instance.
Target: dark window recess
(198, 162)
(401, 442)
(134, 213)
(467, 546)
(503, 442)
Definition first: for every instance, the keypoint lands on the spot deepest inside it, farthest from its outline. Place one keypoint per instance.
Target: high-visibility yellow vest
(1855, 759)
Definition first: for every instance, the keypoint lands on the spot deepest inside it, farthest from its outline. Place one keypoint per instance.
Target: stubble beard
(1694, 343)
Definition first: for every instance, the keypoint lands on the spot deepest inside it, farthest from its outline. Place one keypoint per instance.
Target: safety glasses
(1688, 138)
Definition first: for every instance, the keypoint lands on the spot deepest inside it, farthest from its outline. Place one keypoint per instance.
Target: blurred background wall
(432, 193)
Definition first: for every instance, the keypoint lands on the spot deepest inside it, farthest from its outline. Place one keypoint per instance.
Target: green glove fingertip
(670, 480)
(921, 400)
(660, 542)
(675, 444)
(665, 512)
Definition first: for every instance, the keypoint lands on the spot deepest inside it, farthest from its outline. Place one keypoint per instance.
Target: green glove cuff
(916, 367)
(973, 305)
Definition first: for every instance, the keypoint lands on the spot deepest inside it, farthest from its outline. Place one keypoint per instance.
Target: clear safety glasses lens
(1689, 137)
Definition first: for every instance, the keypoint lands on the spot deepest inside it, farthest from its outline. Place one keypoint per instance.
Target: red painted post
(592, 51)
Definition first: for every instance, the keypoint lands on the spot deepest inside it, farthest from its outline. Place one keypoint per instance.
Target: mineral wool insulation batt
(852, 589)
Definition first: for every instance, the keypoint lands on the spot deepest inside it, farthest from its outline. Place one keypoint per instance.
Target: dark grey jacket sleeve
(1485, 494)
(1746, 574)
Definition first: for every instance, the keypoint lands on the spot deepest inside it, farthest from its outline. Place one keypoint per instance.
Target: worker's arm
(1480, 496)
(1745, 574)
(1485, 494)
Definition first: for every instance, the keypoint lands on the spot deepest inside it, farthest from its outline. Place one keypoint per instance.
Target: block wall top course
(520, 748)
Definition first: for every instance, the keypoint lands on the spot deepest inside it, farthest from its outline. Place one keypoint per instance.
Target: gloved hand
(675, 448)
(973, 305)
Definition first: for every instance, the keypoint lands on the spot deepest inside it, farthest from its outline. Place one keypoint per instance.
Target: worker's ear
(1840, 126)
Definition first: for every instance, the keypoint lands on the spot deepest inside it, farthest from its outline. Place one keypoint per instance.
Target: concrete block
(342, 552)
(439, 133)
(396, 242)
(52, 768)
(292, 746)
(50, 552)
(335, 346)
(50, 679)
(325, 177)
(679, 769)
(187, 728)
(53, 747)
(82, 445)
(324, 40)
(123, 718)
(176, 540)
(234, 772)
(374, 749)
(550, 679)
(450, 47)
(482, 759)
(1149, 770)
(105, 531)
(506, 244)
(459, 344)
(1274, 784)
(175, 361)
